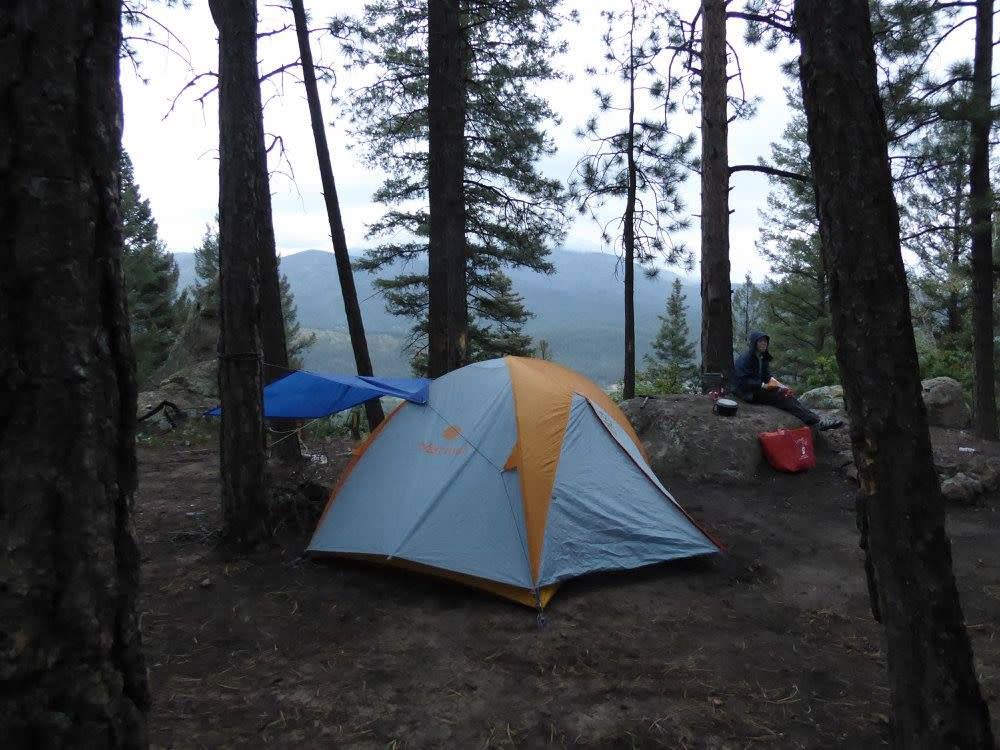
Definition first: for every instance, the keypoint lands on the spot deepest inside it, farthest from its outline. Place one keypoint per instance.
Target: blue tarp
(310, 395)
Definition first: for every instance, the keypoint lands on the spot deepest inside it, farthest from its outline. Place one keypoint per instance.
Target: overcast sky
(175, 155)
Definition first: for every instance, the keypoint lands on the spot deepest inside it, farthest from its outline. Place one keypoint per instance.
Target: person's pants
(786, 403)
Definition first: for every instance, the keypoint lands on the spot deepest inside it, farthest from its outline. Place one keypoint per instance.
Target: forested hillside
(577, 310)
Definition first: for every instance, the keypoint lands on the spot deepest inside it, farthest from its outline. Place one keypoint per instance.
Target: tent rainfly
(516, 474)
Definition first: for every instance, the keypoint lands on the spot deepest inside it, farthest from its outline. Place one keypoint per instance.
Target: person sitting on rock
(755, 385)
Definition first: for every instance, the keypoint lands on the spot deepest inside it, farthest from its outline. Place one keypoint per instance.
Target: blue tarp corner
(311, 395)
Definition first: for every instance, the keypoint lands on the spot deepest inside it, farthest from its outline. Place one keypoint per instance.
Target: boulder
(961, 488)
(986, 470)
(829, 397)
(685, 439)
(198, 339)
(968, 475)
(193, 389)
(943, 398)
(945, 403)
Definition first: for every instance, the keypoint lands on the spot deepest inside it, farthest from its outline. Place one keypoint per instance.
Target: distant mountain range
(579, 310)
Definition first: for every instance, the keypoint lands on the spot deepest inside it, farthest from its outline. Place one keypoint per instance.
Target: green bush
(824, 371)
(346, 423)
(937, 362)
(343, 424)
(660, 381)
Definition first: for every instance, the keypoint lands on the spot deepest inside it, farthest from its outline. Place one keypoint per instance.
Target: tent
(515, 475)
(310, 395)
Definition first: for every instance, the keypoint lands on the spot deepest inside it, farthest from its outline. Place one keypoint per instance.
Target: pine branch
(766, 20)
(772, 171)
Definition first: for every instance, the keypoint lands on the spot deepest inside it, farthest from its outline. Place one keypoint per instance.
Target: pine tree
(345, 274)
(936, 227)
(963, 94)
(447, 98)
(206, 268)
(672, 355)
(543, 350)
(298, 341)
(497, 322)
(747, 315)
(635, 157)
(206, 262)
(794, 305)
(73, 668)
(244, 224)
(716, 288)
(150, 278)
(935, 695)
(513, 214)
(496, 327)
(981, 199)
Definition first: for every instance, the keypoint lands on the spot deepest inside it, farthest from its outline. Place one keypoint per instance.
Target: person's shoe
(829, 423)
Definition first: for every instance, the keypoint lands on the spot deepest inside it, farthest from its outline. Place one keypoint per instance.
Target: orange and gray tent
(516, 474)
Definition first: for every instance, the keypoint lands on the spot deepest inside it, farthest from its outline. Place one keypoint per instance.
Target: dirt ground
(770, 645)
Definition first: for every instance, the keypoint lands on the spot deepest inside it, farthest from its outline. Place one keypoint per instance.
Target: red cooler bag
(789, 450)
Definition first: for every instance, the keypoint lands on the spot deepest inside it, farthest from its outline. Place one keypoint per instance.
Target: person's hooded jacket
(752, 369)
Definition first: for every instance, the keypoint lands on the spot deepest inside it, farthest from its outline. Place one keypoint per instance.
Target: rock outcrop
(829, 397)
(945, 403)
(943, 398)
(193, 389)
(684, 438)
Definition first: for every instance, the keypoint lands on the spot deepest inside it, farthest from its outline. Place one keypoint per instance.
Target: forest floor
(770, 645)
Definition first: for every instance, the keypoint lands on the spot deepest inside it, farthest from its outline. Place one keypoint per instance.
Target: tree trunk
(448, 320)
(272, 318)
(716, 289)
(628, 384)
(980, 208)
(936, 700)
(244, 225)
(352, 308)
(71, 663)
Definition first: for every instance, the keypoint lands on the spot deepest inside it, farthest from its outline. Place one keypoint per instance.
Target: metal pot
(726, 407)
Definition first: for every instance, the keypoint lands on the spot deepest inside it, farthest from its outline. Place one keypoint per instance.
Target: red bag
(789, 450)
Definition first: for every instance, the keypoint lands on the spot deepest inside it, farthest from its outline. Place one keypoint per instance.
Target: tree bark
(70, 650)
(448, 320)
(352, 308)
(286, 447)
(936, 700)
(628, 239)
(716, 289)
(244, 225)
(980, 209)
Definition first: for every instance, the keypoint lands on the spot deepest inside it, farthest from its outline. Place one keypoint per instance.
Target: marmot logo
(451, 432)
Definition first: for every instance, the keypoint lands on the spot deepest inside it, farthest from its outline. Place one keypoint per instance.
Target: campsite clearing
(771, 645)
